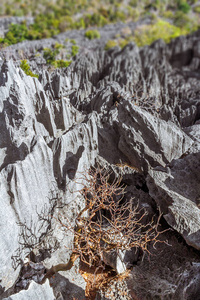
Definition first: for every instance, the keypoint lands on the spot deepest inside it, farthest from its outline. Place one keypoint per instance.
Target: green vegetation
(183, 6)
(110, 44)
(92, 34)
(119, 41)
(197, 9)
(16, 34)
(75, 50)
(147, 34)
(186, 24)
(53, 17)
(26, 68)
(72, 42)
(50, 56)
(61, 63)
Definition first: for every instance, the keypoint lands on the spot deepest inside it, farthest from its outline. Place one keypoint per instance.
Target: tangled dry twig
(107, 222)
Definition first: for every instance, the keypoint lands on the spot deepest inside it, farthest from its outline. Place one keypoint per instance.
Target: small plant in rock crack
(107, 223)
(27, 69)
(92, 34)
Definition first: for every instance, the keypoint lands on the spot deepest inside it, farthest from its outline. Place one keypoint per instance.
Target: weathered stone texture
(135, 111)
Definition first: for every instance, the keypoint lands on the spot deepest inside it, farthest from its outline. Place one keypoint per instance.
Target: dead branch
(107, 222)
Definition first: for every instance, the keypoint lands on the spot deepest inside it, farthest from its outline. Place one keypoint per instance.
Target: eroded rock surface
(176, 190)
(136, 112)
(38, 153)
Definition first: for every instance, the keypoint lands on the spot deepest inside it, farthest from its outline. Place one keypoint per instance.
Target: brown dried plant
(107, 222)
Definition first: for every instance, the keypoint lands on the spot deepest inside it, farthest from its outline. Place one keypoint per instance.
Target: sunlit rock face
(35, 291)
(44, 145)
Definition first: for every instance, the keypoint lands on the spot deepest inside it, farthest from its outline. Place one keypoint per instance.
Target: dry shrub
(108, 222)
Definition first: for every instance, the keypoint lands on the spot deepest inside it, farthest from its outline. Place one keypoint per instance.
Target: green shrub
(73, 42)
(16, 34)
(147, 34)
(96, 19)
(168, 14)
(26, 68)
(46, 24)
(61, 63)
(53, 17)
(65, 23)
(75, 50)
(110, 44)
(58, 46)
(133, 3)
(186, 23)
(9, 10)
(120, 16)
(133, 13)
(9, 39)
(50, 55)
(123, 43)
(183, 6)
(80, 24)
(34, 34)
(197, 9)
(92, 34)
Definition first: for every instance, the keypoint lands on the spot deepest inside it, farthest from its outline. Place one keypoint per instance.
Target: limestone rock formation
(176, 190)
(134, 111)
(38, 153)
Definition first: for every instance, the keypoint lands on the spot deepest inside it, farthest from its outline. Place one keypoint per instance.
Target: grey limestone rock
(135, 110)
(115, 260)
(69, 285)
(148, 141)
(188, 286)
(44, 144)
(176, 190)
(24, 191)
(34, 292)
(141, 139)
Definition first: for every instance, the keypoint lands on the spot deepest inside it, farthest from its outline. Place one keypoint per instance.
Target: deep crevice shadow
(181, 59)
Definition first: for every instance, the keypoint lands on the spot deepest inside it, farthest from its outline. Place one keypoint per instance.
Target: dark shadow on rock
(66, 290)
(44, 116)
(69, 167)
(9, 115)
(71, 163)
(4, 74)
(108, 140)
(14, 154)
(181, 59)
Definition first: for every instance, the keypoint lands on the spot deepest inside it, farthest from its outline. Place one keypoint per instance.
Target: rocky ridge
(133, 110)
